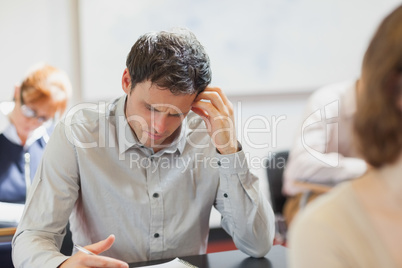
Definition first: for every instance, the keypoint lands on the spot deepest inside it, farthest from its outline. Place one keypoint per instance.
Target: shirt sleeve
(50, 201)
(246, 213)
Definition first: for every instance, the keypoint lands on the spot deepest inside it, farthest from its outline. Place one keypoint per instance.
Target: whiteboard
(255, 46)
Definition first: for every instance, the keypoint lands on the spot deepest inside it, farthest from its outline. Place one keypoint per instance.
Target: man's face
(155, 114)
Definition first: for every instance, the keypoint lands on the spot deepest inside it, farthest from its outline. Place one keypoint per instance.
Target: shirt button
(225, 195)
(156, 235)
(219, 163)
(156, 195)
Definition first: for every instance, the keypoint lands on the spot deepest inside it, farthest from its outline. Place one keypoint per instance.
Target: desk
(313, 187)
(276, 258)
(6, 234)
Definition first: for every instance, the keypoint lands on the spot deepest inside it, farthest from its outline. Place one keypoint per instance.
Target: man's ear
(126, 81)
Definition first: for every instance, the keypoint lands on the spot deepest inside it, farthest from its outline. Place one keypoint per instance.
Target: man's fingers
(220, 92)
(217, 98)
(214, 98)
(101, 246)
(83, 260)
(102, 261)
(200, 112)
(208, 107)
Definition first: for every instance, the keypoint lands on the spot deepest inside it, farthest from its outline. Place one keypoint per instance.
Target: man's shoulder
(90, 113)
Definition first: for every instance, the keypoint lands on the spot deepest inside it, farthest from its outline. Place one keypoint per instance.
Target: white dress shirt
(324, 151)
(156, 204)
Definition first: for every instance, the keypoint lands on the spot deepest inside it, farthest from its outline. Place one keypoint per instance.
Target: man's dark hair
(174, 60)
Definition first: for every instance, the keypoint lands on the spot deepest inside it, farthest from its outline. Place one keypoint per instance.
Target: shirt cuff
(233, 163)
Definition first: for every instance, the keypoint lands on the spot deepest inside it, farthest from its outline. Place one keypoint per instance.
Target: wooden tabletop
(9, 231)
(314, 187)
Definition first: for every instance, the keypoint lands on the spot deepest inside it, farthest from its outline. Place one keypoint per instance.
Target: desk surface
(314, 187)
(276, 258)
(6, 234)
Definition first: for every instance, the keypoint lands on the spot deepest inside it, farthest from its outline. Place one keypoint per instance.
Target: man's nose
(160, 122)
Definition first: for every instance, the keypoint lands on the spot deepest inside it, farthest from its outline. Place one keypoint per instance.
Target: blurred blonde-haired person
(359, 224)
(25, 126)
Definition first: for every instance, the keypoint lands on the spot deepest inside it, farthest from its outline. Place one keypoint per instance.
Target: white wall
(255, 46)
(38, 31)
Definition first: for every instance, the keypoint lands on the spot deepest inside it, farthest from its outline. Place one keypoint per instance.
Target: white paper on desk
(176, 263)
(10, 213)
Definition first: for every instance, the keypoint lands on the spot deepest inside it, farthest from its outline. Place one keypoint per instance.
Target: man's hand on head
(217, 111)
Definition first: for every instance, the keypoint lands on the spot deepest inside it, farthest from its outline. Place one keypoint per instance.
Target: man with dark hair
(147, 167)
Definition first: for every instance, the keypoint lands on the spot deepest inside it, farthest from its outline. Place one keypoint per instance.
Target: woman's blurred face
(28, 116)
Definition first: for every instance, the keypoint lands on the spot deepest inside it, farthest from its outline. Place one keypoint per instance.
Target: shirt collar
(127, 139)
(125, 136)
(180, 141)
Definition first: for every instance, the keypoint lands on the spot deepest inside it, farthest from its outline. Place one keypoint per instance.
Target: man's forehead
(165, 101)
